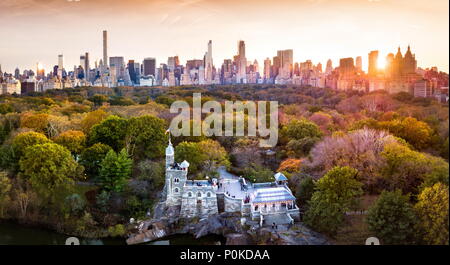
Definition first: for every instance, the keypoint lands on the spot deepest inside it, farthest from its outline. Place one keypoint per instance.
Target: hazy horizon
(38, 30)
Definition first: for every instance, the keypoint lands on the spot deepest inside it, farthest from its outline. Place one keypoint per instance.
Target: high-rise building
(117, 66)
(346, 66)
(373, 63)
(105, 48)
(359, 63)
(286, 62)
(329, 67)
(241, 63)
(149, 67)
(267, 66)
(60, 65)
(209, 64)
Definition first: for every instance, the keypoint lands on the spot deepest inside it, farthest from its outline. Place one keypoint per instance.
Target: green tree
(392, 218)
(153, 172)
(405, 169)
(49, 168)
(5, 187)
(336, 193)
(146, 137)
(115, 170)
(432, 210)
(214, 153)
(91, 158)
(98, 99)
(191, 152)
(27, 139)
(305, 190)
(300, 136)
(110, 131)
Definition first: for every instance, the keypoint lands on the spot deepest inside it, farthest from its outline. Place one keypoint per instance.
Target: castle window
(208, 194)
(176, 180)
(190, 194)
(176, 190)
(199, 194)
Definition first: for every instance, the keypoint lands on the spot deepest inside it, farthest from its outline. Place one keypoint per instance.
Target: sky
(33, 31)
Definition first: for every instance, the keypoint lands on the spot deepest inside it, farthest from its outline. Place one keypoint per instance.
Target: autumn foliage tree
(432, 211)
(74, 141)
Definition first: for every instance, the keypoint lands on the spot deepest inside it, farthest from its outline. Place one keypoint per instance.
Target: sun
(381, 63)
(40, 66)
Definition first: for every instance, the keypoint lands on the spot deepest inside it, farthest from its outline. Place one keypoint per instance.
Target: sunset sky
(38, 30)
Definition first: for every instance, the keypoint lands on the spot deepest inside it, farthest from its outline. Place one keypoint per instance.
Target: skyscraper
(359, 63)
(242, 63)
(373, 63)
(105, 48)
(149, 67)
(286, 62)
(209, 64)
(267, 66)
(60, 65)
(329, 67)
(86, 66)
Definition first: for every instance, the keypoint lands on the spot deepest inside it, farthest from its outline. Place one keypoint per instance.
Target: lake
(15, 234)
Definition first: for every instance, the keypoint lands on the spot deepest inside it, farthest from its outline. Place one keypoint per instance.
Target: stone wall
(232, 204)
(198, 202)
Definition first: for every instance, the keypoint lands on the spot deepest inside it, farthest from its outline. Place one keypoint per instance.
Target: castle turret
(170, 154)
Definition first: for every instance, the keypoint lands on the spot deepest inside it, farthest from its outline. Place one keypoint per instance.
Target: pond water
(14, 234)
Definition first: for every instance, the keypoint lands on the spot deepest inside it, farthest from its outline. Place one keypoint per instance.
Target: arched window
(208, 194)
(176, 180)
(189, 194)
(176, 190)
(199, 194)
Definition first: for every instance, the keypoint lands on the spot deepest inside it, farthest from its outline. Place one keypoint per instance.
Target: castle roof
(280, 177)
(169, 150)
(184, 164)
(270, 195)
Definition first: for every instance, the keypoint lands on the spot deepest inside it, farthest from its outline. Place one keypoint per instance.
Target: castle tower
(176, 176)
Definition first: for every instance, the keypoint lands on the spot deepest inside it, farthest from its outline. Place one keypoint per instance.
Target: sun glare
(381, 63)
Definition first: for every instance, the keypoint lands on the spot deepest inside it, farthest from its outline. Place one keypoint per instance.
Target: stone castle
(267, 203)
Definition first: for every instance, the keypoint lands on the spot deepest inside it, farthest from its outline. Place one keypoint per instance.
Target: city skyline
(166, 30)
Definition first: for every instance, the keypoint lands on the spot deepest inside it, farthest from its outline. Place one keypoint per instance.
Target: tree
(433, 214)
(153, 172)
(191, 152)
(49, 168)
(91, 158)
(74, 141)
(27, 139)
(35, 121)
(5, 187)
(92, 118)
(115, 169)
(415, 132)
(360, 149)
(300, 135)
(146, 137)
(392, 218)
(110, 131)
(336, 193)
(305, 190)
(290, 165)
(405, 169)
(98, 99)
(214, 153)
